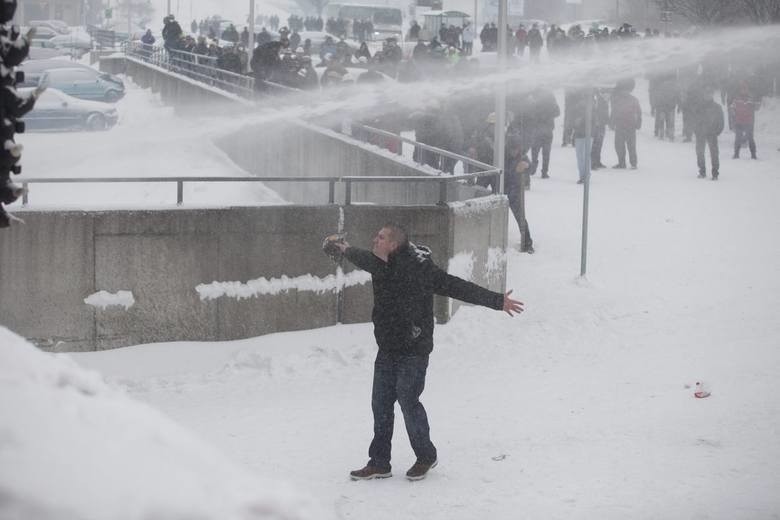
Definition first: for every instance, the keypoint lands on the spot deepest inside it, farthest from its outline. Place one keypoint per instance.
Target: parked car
(45, 33)
(44, 52)
(76, 80)
(58, 25)
(56, 110)
(35, 68)
(74, 40)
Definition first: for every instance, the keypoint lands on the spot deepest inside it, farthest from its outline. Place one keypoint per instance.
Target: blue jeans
(399, 377)
(582, 147)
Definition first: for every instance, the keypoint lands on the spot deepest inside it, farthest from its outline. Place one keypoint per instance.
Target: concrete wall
(184, 94)
(51, 264)
(278, 148)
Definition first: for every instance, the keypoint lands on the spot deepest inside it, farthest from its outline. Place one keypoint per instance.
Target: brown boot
(369, 472)
(420, 470)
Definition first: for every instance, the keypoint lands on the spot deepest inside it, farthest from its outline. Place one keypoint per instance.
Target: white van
(387, 20)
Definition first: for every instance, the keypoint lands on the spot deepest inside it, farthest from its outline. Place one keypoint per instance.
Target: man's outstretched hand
(512, 306)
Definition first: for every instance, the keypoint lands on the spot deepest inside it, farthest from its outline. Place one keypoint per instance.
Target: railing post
(179, 192)
(331, 192)
(348, 193)
(400, 145)
(24, 194)
(442, 193)
(496, 182)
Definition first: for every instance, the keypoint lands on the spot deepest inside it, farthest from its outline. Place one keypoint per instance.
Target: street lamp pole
(251, 45)
(589, 93)
(499, 135)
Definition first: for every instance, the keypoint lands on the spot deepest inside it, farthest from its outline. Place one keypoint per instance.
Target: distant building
(641, 13)
(71, 12)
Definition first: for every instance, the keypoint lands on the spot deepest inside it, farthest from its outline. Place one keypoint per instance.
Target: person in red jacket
(743, 113)
(404, 279)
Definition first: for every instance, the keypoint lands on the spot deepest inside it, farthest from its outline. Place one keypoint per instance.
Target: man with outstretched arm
(404, 280)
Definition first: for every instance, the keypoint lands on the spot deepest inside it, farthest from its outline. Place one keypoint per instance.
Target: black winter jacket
(708, 119)
(403, 296)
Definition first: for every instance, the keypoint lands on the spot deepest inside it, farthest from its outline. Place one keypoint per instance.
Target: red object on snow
(701, 391)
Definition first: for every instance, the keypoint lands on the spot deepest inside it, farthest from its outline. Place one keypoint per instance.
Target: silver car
(56, 110)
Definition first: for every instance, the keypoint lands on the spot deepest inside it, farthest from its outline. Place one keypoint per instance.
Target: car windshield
(71, 75)
(382, 15)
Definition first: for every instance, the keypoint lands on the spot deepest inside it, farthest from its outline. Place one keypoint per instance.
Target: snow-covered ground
(582, 407)
(148, 141)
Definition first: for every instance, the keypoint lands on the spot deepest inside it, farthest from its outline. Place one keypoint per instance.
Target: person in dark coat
(420, 51)
(405, 279)
(171, 32)
(539, 124)
(535, 42)
(516, 165)
(265, 62)
(230, 34)
(625, 119)
(363, 51)
(707, 126)
(148, 38)
(667, 99)
(414, 30)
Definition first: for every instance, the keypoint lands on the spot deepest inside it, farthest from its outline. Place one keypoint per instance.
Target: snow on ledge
(104, 299)
(462, 265)
(476, 206)
(260, 286)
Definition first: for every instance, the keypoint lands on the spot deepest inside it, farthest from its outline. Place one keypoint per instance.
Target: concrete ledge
(51, 264)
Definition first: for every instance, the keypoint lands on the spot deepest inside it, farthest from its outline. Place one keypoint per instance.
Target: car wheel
(112, 96)
(96, 122)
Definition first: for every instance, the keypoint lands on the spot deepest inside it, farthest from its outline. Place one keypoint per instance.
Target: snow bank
(73, 447)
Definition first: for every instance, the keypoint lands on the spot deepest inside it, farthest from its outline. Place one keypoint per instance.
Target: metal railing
(201, 68)
(424, 154)
(347, 181)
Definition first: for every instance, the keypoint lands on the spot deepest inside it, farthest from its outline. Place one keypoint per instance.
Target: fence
(347, 181)
(424, 154)
(199, 67)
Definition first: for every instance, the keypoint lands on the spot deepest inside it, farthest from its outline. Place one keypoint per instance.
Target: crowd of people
(465, 125)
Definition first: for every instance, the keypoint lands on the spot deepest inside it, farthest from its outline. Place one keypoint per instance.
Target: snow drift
(73, 447)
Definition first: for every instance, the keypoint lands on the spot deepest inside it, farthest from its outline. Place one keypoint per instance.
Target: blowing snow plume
(601, 64)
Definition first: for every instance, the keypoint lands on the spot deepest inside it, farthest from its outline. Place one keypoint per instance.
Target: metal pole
(617, 12)
(250, 48)
(168, 10)
(586, 184)
(499, 136)
(475, 25)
